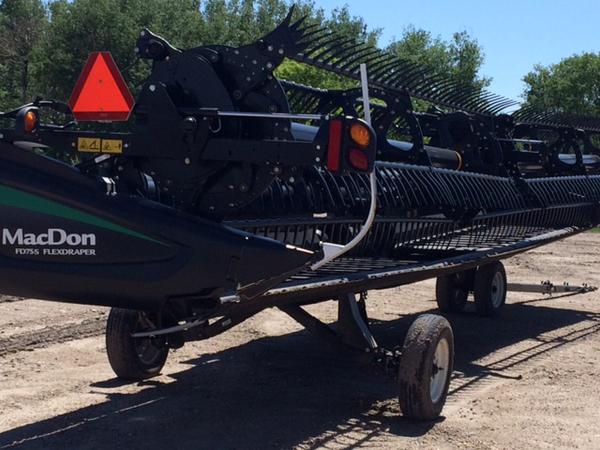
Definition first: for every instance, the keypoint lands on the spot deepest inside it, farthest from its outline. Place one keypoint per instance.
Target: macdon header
(54, 237)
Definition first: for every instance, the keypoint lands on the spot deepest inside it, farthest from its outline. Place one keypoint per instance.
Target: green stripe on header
(30, 202)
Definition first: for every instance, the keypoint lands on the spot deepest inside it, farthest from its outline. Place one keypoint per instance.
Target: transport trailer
(231, 191)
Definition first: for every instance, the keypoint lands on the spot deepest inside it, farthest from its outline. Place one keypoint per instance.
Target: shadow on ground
(278, 392)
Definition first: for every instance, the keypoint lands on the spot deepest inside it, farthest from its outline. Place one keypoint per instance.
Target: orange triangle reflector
(101, 92)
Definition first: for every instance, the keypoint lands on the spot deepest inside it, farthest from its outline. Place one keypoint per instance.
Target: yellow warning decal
(112, 146)
(97, 145)
(89, 144)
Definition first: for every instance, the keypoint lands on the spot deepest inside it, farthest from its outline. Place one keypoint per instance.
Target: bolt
(318, 147)
(152, 88)
(281, 52)
(270, 48)
(187, 161)
(292, 180)
(269, 65)
(136, 50)
(143, 33)
(317, 159)
(120, 168)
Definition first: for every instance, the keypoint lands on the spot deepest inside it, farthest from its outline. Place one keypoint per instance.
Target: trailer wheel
(452, 291)
(490, 289)
(133, 358)
(426, 367)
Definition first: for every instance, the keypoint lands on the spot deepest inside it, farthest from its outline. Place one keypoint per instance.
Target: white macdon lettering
(54, 237)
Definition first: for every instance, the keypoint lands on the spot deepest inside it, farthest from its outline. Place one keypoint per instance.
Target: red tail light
(358, 159)
(335, 145)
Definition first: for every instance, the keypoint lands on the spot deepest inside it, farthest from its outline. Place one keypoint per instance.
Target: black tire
(420, 397)
(452, 291)
(131, 358)
(490, 289)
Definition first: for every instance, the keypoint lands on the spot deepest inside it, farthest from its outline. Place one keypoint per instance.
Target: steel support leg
(351, 329)
(352, 326)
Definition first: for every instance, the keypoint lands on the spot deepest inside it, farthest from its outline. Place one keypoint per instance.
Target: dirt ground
(530, 379)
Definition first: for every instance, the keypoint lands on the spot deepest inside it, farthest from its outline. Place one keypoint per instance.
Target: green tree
(236, 22)
(571, 86)
(77, 27)
(81, 26)
(459, 59)
(22, 24)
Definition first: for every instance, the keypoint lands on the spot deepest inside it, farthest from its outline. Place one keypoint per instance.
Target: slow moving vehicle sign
(101, 93)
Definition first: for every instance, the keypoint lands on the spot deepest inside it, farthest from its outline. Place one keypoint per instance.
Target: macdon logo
(54, 237)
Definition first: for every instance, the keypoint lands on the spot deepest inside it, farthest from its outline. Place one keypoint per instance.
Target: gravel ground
(526, 380)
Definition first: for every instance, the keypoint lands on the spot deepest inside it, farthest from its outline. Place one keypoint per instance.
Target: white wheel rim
(497, 290)
(439, 373)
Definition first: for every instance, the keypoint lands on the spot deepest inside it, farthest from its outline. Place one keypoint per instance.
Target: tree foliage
(82, 26)
(61, 33)
(571, 86)
(22, 24)
(459, 60)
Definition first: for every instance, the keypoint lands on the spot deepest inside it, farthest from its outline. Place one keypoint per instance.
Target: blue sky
(514, 35)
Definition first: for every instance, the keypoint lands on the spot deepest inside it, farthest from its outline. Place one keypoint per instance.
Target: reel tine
(365, 55)
(296, 25)
(324, 49)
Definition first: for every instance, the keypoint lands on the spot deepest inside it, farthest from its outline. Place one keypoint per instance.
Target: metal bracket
(549, 288)
(351, 329)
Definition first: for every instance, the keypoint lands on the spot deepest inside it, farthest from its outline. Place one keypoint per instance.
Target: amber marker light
(30, 121)
(360, 134)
